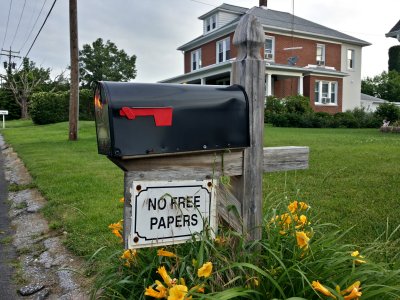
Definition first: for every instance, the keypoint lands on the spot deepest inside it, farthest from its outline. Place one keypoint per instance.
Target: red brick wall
(208, 53)
(309, 83)
(307, 55)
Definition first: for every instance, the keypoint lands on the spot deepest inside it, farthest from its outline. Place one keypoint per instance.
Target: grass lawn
(353, 179)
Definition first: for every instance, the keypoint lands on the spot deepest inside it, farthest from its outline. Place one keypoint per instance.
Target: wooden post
(249, 71)
(74, 90)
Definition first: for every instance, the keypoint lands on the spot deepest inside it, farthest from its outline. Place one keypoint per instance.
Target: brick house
(301, 57)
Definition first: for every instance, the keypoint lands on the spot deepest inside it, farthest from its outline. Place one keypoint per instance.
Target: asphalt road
(7, 251)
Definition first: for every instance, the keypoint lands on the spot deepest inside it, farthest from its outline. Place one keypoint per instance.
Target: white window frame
(211, 23)
(320, 58)
(269, 54)
(226, 46)
(350, 59)
(326, 98)
(195, 59)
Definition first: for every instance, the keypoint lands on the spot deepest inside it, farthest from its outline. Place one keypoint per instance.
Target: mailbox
(137, 119)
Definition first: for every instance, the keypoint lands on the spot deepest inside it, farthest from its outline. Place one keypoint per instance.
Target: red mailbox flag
(162, 115)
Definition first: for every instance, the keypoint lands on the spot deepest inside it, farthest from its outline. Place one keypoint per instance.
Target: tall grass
(277, 267)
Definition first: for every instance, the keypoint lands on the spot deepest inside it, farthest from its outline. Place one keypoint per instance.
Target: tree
(385, 86)
(24, 82)
(394, 58)
(101, 61)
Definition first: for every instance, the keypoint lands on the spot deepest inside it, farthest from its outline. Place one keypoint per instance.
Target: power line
(40, 30)
(19, 22)
(34, 25)
(8, 19)
(204, 3)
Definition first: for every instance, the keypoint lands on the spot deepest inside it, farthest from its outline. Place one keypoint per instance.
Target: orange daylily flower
(323, 290)
(205, 270)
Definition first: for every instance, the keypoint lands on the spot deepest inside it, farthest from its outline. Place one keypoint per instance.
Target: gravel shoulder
(43, 267)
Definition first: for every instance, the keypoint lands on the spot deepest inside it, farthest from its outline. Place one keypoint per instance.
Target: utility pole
(74, 51)
(10, 65)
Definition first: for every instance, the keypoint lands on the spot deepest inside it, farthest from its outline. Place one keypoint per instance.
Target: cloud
(153, 29)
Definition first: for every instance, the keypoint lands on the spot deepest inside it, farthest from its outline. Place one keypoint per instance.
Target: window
(223, 50)
(320, 55)
(269, 48)
(350, 59)
(325, 92)
(211, 23)
(196, 59)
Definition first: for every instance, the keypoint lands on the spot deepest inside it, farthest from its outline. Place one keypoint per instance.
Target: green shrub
(273, 105)
(297, 104)
(50, 107)
(7, 102)
(86, 107)
(346, 120)
(394, 58)
(388, 111)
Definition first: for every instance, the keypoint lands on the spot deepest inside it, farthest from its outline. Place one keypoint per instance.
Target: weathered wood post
(249, 71)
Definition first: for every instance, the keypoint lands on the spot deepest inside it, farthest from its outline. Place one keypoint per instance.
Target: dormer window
(211, 23)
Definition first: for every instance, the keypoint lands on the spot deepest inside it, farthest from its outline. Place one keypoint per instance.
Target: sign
(4, 112)
(165, 212)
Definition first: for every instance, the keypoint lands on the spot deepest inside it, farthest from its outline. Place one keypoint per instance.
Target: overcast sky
(154, 29)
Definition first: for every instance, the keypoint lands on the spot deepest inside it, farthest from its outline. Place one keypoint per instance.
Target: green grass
(82, 187)
(353, 179)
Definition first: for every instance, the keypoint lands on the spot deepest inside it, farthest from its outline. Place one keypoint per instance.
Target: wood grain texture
(127, 209)
(249, 71)
(214, 165)
(192, 166)
(285, 158)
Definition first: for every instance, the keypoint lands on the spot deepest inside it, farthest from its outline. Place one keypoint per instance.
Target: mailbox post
(187, 137)
(138, 124)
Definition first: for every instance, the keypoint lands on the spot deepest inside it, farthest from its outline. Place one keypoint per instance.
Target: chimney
(263, 3)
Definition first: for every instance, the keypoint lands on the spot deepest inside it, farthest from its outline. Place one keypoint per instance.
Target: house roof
(274, 20)
(395, 31)
(373, 99)
(226, 67)
(227, 8)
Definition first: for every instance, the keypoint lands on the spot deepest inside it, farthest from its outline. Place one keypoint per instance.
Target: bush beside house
(53, 107)
(295, 111)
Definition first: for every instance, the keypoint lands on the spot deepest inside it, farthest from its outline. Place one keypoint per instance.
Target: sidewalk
(43, 264)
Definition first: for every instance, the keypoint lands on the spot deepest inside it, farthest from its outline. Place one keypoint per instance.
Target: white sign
(165, 213)
(4, 112)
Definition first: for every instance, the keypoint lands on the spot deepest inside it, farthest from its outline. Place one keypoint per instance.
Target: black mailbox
(137, 119)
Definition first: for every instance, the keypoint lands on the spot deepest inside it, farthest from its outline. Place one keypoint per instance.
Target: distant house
(371, 103)
(302, 57)
(394, 32)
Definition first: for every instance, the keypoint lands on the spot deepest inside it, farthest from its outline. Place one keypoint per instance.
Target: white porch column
(300, 91)
(203, 81)
(268, 85)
